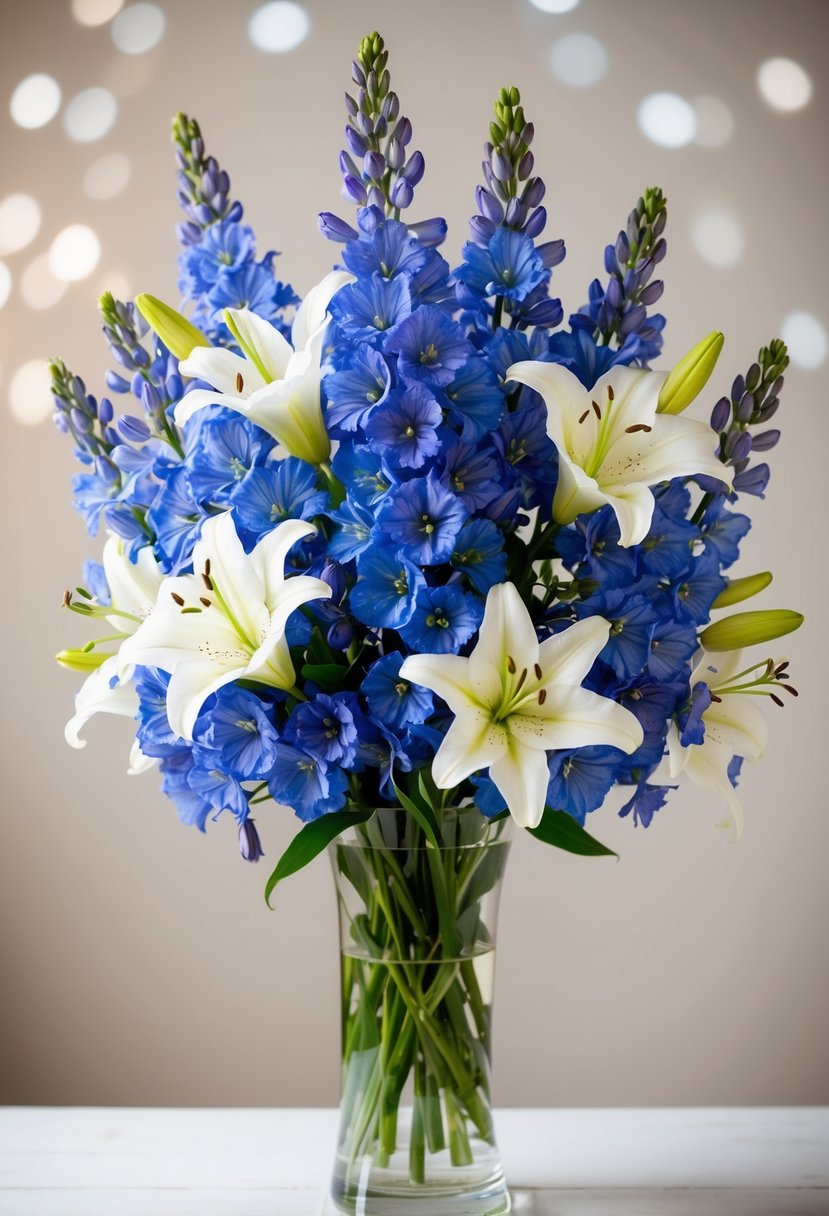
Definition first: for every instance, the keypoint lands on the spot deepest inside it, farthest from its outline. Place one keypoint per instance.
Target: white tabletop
(119, 1162)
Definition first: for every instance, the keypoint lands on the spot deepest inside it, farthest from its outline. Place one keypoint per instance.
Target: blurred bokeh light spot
(718, 238)
(784, 84)
(5, 283)
(107, 176)
(19, 222)
(555, 6)
(715, 122)
(30, 393)
(667, 119)
(578, 60)
(74, 253)
(95, 12)
(39, 287)
(35, 101)
(138, 28)
(806, 339)
(90, 115)
(279, 26)
(117, 283)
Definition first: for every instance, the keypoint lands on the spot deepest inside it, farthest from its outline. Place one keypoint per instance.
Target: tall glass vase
(417, 929)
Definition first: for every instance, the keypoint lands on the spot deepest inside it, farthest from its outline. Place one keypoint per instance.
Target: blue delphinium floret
(444, 619)
(393, 700)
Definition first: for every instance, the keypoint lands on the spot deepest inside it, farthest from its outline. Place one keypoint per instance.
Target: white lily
(613, 445)
(227, 621)
(275, 385)
(515, 698)
(734, 726)
(133, 587)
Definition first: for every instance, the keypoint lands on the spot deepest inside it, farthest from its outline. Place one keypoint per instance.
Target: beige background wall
(139, 964)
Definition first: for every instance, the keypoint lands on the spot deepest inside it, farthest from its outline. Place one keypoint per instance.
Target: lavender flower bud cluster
(512, 194)
(203, 192)
(620, 310)
(754, 400)
(377, 170)
(87, 420)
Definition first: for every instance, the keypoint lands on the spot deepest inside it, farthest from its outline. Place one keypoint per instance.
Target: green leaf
(329, 676)
(561, 830)
(310, 841)
(424, 815)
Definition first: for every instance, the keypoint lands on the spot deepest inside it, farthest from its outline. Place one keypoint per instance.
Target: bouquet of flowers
(415, 543)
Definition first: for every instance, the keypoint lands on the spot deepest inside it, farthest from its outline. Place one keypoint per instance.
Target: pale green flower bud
(82, 660)
(690, 375)
(174, 330)
(750, 628)
(739, 589)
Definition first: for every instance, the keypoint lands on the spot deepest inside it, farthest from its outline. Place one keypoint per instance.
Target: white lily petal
(271, 662)
(199, 398)
(674, 447)
(522, 776)
(291, 412)
(96, 696)
(472, 742)
(234, 576)
(635, 396)
(221, 369)
(311, 313)
(264, 341)
(506, 631)
(190, 685)
(708, 767)
(563, 395)
(567, 657)
(576, 717)
(134, 585)
(139, 763)
(271, 551)
(445, 674)
(633, 507)
(737, 724)
(576, 493)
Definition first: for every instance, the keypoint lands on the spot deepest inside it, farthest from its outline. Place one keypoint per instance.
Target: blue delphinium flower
(479, 554)
(474, 398)
(226, 450)
(286, 489)
(393, 700)
(308, 785)
(325, 729)
(509, 266)
(423, 517)
(384, 247)
(591, 547)
(366, 309)
(191, 806)
(646, 801)
(443, 620)
(429, 346)
(722, 531)
(251, 285)
(221, 791)
(353, 531)
(225, 245)
(581, 779)
(472, 471)
(405, 429)
(176, 516)
(355, 391)
(236, 735)
(632, 622)
(386, 587)
(155, 735)
(588, 359)
(695, 591)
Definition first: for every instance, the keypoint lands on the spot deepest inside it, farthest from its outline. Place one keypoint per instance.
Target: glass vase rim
(498, 833)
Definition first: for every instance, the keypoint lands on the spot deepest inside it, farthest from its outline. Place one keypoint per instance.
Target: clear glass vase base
(493, 1200)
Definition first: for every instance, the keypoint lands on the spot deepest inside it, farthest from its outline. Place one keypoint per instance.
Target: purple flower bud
(613, 294)
(356, 143)
(720, 415)
(401, 193)
(738, 388)
(546, 314)
(150, 399)
(133, 430)
(738, 446)
(753, 377)
(611, 264)
(350, 105)
(552, 253)
(116, 383)
(630, 282)
(369, 219)
(777, 387)
(622, 249)
(381, 128)
(204, 214)
(501, 167)
(516, 213)
(105, 410)
(430, 232)
(142, 359)
(128, 459)
(107, 471)
(235, 213)
(533, 192)
(81, 423)
(644, 271)
(374, 166)
(110, 436)
(335, 229)
(769, 410)
(197, 148)
(347, 165)
(632, 320)
(355, 189)
(659, 250)
(753, 481)
(391, 107)
(340, 634)
(525, 166)
(415, 168)
(188, 233)
(746, 407)
(137, 385)
(536, 223)
(174, 386)
(765, 441)
(395, 154)
(250, 846)
(403, 132)
(376, 198)
(357, 74)
(652, 292)
(488, 205)
(365, 123)
(481, 229)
